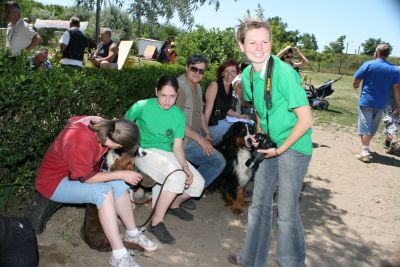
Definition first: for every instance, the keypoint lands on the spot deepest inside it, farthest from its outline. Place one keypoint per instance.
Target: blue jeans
(218, 131)
(287, 170)
(75, 192)
(208, 166)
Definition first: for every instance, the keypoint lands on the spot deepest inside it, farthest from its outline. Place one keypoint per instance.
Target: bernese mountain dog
(92, 231)
(236, 147)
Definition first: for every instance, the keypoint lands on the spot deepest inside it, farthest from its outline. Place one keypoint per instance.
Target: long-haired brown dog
(92, 231)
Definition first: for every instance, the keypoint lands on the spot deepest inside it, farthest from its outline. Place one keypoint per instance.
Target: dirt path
(350, 211)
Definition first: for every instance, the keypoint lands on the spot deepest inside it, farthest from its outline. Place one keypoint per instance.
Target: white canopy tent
(58, 24)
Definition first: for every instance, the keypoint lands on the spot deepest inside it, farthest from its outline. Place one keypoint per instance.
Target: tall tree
(336, 47)
(370, 45)
(308, 41)
(280, 36)
(152, 10)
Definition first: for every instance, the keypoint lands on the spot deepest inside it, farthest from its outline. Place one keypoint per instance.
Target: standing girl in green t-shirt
(162, 129)
(283, 112)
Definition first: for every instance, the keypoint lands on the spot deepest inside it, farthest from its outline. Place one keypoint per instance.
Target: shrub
(35, 105)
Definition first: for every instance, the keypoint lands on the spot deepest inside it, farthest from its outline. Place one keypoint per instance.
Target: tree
(308, 41)
(152, 10)
(215, 44)
(336, 47)
(370, 45)
(280, 36)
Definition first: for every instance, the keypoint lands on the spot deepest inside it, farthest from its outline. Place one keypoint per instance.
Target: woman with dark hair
(287, 54)
(162, 128)
(218, 102)
(70, 173)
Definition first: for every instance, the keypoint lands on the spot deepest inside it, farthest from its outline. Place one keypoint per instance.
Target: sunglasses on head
(197, 70)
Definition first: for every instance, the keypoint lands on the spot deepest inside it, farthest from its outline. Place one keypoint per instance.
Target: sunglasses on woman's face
(288, 57)
(197, 70)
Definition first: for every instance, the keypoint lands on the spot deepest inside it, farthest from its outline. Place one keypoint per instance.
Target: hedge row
(34, 106)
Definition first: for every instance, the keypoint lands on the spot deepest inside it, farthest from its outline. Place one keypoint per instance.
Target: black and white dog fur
(236, 147)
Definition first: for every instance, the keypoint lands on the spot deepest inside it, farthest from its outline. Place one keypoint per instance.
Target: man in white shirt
(19, 35)
(72, 45)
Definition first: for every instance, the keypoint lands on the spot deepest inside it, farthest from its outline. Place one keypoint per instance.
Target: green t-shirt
(287, 94)
(158, 127)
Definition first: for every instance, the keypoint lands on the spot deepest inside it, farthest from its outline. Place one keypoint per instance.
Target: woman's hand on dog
(130, 177)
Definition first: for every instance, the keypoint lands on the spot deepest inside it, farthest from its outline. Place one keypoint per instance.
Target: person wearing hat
(19, 35)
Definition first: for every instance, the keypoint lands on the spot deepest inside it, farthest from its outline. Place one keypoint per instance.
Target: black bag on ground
(18, 244)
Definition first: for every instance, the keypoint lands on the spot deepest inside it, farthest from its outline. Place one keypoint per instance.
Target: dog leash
(155, 205)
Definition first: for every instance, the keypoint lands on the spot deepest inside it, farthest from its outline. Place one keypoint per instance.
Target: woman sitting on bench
(70, 173)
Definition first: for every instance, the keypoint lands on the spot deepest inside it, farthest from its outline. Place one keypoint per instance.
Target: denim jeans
(208, 166)
(288, 171)
(218, 131)
(75, 192)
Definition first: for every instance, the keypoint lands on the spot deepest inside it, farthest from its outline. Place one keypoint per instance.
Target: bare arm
(112, 53)
(62, 47)
(304, 60)
(177, 148)
(36, 40)
(283, 51)
(356, 83)
(304, 122)
(211, 93)
(130, 177)
(239, 90)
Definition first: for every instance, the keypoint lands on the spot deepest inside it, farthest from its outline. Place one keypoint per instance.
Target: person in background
(72, 45)
(164, 56)
(19, 35)
(47, 64)
(287, 54)
(391, 122)
(198, 149)
(218, 102)
(242, 106)
(379, 79)
(162, 129)
(70, 173)
(284, 114)
(106, 55)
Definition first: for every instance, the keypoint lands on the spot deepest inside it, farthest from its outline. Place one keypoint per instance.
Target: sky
(326, 19)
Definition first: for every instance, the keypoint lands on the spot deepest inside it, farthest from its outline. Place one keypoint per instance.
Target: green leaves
(35, 105)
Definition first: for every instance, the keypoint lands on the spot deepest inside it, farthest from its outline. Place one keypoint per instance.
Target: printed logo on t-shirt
(169, 132)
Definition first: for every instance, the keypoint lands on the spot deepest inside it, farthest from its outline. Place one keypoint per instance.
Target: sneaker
(126, 261)
(233, 259)
(181, 214)
(365, 158)
(142, 241)
(161, 233)
(189, 204)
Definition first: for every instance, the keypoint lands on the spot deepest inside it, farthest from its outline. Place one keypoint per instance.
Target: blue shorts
(75, 192)
(368, 120)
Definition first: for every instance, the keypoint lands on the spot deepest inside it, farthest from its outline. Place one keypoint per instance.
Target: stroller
(316, 96)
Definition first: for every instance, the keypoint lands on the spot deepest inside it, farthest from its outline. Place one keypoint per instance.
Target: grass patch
(342, 113)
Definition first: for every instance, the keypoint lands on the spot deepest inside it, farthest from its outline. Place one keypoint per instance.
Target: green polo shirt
(287, 94)
(158, 127)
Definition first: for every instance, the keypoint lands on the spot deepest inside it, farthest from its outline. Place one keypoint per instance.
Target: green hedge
(34, 106)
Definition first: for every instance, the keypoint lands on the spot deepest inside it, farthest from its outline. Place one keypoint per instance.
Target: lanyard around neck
(267, 84)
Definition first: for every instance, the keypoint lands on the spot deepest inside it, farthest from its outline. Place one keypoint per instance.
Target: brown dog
(92, 231)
